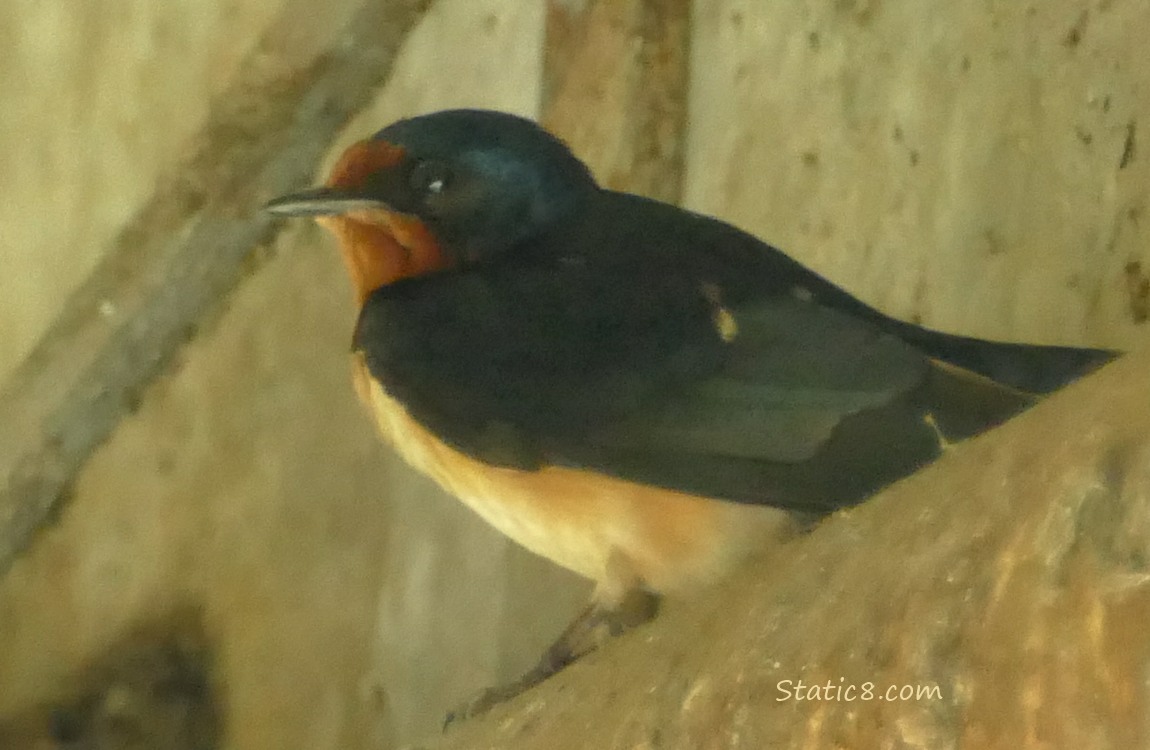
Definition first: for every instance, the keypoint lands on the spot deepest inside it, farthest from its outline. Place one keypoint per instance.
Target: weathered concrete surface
(1012, 576)
(977, 166)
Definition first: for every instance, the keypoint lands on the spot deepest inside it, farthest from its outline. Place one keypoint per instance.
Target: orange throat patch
(379, 247)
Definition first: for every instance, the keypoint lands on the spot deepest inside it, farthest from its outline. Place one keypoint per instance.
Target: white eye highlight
(430, 177)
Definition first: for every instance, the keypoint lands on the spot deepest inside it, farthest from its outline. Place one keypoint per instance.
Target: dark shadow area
(155, 689)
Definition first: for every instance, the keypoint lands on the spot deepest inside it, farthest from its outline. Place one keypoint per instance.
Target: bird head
(443, 191)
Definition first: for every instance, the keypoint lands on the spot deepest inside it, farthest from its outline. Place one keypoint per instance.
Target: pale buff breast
(601, 527)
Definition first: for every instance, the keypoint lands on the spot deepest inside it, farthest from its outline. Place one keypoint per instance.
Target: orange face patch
(361, 160)
(379, 247)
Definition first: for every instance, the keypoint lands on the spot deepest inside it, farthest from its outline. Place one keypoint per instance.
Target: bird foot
(593, 627)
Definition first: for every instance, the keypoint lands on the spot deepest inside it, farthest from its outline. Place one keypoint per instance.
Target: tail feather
(1031, 368)
(964, 403)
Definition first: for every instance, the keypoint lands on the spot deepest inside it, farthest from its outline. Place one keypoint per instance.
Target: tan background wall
(958, 164)
(99, 101)
(961, 164)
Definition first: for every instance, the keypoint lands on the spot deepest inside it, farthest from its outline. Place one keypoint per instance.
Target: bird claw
(553, 660)
(588, 632)
(476, 705)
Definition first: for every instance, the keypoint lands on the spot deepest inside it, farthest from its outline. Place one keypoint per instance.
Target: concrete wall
(959, 164)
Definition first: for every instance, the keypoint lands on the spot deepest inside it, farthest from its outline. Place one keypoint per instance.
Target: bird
(639, 393)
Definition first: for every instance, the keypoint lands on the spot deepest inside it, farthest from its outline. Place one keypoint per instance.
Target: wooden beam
(615, 88)
(178, 258)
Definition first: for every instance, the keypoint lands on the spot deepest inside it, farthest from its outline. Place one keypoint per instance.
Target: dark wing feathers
(812, 410)
(601, 349)
(551, 352)
(773, 395)
(748, 267)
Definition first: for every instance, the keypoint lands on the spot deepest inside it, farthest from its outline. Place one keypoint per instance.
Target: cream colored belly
(598, 526)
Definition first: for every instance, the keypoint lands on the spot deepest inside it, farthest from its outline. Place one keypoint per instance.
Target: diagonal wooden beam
(171, 267)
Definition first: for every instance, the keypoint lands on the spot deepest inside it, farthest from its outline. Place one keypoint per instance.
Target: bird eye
(430, 177)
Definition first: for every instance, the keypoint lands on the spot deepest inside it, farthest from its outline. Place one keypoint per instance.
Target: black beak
(322, 201)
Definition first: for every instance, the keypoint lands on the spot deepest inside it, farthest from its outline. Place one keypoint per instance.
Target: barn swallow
(634, 391)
